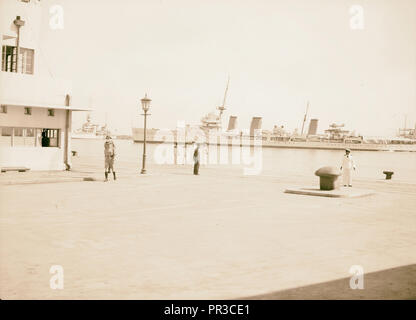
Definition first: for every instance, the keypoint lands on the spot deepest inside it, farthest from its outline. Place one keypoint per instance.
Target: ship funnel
(255, 125)
(313, 127)
(232, 123)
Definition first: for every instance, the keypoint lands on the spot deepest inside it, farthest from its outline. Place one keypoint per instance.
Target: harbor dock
(171, 235)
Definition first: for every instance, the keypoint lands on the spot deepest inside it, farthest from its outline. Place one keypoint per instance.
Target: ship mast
(222, 108)
(304, 118)
(106, 128)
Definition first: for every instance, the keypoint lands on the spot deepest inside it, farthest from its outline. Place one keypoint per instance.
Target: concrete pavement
(220, 235)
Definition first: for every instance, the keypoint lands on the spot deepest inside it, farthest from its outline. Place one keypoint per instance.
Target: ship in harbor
(335, 137)
(407, 133)
(90, 130)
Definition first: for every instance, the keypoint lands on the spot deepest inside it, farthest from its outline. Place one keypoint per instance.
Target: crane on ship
(304, 118)
(212, 120)
(222, 108)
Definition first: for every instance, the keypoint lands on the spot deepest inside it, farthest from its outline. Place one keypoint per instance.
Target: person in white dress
(347, 167)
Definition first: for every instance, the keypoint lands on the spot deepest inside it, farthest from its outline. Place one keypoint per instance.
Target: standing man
(109, 153)
(196, 160)
(175, 153)
(347, 167)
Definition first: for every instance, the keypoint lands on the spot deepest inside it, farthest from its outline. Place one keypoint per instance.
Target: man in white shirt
(347, 167)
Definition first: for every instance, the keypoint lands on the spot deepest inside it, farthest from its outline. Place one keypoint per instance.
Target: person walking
(347, 166)
(196, 160)
(109, 153)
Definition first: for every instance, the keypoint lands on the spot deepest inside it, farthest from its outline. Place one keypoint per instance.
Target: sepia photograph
(195, 150)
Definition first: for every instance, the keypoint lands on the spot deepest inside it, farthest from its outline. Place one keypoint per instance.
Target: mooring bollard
(388, 174)
(74, 153)
(328, 178)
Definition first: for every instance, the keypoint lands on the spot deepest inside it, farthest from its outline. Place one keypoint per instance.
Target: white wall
(32, 157)
(38, 90)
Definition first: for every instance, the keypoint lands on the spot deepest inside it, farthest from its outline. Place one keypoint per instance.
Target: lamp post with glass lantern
(145, 106)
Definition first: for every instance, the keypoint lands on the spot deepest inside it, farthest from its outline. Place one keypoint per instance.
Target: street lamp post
(145, 106)
(18, 23)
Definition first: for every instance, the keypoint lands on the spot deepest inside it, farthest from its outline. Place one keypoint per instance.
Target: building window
(23, 137)
(6, 136)
(6, 131)
(51, 112)
(30, 132)
(9, 60)
(3, 109)
(29, 137)
(18, 132)
(26, 60)
(50, 137)
(28, 111)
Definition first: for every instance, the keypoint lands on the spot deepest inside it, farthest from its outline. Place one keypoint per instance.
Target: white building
(35, 116)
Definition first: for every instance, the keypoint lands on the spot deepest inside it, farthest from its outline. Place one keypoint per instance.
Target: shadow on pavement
(395, 283)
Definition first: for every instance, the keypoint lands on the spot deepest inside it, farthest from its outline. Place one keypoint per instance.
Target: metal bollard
(328, 178)
(388, 174)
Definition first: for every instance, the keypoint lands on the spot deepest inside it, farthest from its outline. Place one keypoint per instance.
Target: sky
(278, 54)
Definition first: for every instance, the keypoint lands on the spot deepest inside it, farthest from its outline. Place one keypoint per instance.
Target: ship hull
(342, 146)
(86, 136)
(152, 136)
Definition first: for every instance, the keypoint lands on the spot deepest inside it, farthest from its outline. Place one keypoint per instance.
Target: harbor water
(274, 161)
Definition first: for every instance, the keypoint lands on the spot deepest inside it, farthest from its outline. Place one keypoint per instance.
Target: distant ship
(90, 130)
(337, 138)
(407, 133)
